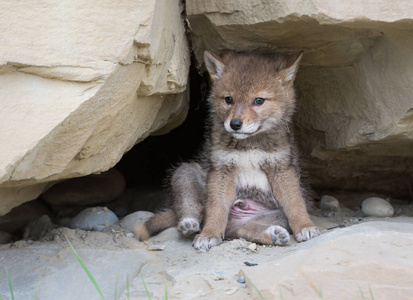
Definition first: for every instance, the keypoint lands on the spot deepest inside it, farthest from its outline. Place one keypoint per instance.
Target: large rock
(355, 109)
(344, 264)
(86, 191)
(58, 273)
(81, 84)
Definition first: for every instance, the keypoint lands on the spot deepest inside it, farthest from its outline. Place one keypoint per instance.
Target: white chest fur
(249, 178)
(248, 165)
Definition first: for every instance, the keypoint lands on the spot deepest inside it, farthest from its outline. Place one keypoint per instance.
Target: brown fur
(257, 162)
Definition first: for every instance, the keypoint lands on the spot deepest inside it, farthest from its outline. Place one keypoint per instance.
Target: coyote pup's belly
(245, 209)
(253, 195)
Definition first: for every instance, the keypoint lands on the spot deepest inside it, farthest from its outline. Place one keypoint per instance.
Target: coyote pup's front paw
(203, 243)
(307, 233)
(188, 226)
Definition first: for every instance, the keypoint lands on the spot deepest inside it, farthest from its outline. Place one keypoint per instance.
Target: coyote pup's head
(252, 92)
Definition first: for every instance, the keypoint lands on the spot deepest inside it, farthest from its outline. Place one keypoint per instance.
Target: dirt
(365, 248)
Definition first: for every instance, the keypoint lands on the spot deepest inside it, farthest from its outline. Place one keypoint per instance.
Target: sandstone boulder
(348, 263)
(81, 84)
(355, 110)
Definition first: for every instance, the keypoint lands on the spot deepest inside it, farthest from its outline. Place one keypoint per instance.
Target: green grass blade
(116, 287)
(320, 294)
(361, 293)
(257, 290)
(166, 288)
(10, 287)
(127, 287)
(146, 288)
(281, 294)
(1, 297)
(371, 293)
(91, 278)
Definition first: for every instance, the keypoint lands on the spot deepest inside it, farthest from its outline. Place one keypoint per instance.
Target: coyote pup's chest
(249, 166)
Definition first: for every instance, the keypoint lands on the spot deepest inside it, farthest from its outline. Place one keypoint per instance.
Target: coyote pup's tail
(160, 221)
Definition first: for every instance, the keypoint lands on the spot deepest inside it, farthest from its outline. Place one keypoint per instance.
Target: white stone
(377, 207)
(252, 247)
(81, 84)
(156, 247)
(130, 221)
(94, 218)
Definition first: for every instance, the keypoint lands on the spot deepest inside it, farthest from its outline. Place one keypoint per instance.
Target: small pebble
(377, 207)
(219, 277)
(156, 248)
(129, 234)
(252, 246)
(241, 279)
(329, 204)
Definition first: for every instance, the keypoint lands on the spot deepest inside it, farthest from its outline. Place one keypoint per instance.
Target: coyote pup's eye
(259, 101)
(228, 99)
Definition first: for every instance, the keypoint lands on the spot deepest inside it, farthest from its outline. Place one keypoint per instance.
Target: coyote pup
(247, 183)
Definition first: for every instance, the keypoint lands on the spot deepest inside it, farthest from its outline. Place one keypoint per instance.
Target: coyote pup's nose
(235, 124)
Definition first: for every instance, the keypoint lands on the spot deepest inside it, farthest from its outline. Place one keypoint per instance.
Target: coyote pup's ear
(288, 74)
(214, 65)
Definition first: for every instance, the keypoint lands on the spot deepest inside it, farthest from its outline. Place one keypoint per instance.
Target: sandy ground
(344, 263)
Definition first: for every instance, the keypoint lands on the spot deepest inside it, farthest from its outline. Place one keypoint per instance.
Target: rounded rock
(377, 207)
(130, 221)
(5, 237)
(94, 218)
(329, 204)
(241, 279)
(88, 190)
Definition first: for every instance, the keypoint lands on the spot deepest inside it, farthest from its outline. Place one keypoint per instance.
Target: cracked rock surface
(81, 84)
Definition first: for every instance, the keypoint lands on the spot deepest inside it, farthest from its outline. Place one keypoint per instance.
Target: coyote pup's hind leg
(270, 228)
(279, 235)
(188, 194)
(189, 226)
